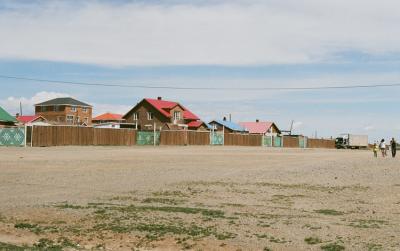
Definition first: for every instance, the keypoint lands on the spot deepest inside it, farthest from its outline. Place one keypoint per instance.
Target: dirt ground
(197, 198)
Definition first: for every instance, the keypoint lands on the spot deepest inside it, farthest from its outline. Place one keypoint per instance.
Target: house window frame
(84, 109)
(69, 120)
(74, 108)
(43, 108)
(177, 115)
(150, 116)
(78, 119)
(135, 116)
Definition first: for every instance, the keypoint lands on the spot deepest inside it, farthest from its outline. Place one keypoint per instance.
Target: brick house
(65, 111)
(165, 115)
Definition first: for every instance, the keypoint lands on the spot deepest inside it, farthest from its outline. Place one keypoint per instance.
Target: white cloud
(297, 125)
(113, 108)
(217, 32)
(369, 128)
(12, 104)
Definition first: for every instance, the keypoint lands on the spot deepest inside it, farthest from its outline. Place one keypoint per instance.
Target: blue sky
(212, 44)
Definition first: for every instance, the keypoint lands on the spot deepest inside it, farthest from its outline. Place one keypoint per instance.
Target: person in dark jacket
(393, 146)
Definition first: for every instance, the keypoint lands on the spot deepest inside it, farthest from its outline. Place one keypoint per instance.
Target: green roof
(6, 117)
(63, 101)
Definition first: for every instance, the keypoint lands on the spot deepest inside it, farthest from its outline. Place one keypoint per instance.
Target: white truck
(352, 141)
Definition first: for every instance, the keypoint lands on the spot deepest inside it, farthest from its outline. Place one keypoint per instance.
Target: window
(177, 115)
(78, 120)
(73, 108)
(214, 127)
(56, 108)
(84, 109)
(149, 116)
(135, 116)
(70, 119)
(44, 108)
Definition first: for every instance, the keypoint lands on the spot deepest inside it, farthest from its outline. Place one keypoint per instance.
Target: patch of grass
(261, 236)
(167, 201)
(12, 247)
(312, 240)
(311, 227)
(370, 223)
(277, 240)
(123, 198)
(329, 212)
(34, 228)
(333, 247)
(66, 206)
(233, 205)
(170, 193)
(46, 244)
(373, 247)
(185, 210)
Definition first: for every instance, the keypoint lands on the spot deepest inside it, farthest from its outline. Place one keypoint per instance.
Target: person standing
(382, 146)
(375, 149)
(393, 145)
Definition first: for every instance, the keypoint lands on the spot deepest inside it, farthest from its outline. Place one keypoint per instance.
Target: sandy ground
(198, 198)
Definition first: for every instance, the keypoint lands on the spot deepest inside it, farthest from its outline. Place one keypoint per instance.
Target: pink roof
(27, 119)
(108, 116)
(256, 127)
(163, 106)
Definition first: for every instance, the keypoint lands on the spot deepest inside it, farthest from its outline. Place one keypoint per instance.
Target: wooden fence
(232, 139)
(320, 143)
(81, 136)
(290, 141)
(180, 138)
(85, 136)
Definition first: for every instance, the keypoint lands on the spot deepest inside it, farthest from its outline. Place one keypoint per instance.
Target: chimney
(159, 98)
(224, 119)
(257, 120)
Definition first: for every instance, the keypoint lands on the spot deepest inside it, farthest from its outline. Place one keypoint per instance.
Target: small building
(65, 111)
(30, 120)
(258, 127)
(226, 126)
(6, 120)
(107, 118)
(163, 114)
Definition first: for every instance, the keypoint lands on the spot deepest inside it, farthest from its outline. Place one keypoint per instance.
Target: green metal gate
(12, 136)
(302, 142)
(267, 141)
(147, 138)
(216, 138)
(277, 141)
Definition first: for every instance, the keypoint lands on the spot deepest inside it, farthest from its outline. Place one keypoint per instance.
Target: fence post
(154, 134)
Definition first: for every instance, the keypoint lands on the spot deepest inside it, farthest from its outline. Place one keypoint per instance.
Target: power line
(143, 86)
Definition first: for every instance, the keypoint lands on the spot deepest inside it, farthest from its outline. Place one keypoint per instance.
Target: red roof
(27, 119)
(109, 117)
(195, 124)
(256, 127)
(164, 106)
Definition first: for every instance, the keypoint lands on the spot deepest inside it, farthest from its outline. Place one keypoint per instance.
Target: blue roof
(230, 125)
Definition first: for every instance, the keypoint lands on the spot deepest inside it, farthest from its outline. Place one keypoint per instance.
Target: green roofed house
(6, 119)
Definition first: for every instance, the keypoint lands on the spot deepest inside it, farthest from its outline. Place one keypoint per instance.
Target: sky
(237, 43)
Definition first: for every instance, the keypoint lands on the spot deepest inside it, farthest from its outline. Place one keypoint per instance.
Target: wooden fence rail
(81, 136)
(231, 139)
(320, 143)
